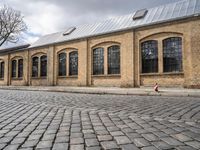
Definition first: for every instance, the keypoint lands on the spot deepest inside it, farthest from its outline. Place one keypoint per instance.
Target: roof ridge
(102, 21)
(159, 14)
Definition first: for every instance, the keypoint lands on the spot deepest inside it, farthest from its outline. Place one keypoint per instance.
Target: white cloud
(48, 16)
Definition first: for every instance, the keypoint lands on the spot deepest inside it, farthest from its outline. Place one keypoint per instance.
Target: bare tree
(11, 25)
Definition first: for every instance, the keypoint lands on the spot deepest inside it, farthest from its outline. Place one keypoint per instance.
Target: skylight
(69, 31)
(140, 14)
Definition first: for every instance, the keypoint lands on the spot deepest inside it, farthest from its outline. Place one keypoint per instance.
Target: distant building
(157, 45)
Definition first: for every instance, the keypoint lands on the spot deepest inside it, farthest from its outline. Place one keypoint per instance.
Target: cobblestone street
(61, 121)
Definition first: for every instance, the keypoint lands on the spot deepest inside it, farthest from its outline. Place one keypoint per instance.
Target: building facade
(159, 45)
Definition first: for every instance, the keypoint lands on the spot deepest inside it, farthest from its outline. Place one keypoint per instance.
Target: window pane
(114, 60)
(149, 57)
(43, 68)
(73, 63)
(62, 64)
(98, 61)
(20, 68)
(2, 70)
(35, 66)
(14, 63)
(172, 54)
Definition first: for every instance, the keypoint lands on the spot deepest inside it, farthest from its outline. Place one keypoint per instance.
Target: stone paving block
(194, 144)
(133, 135)
(149, 148)
(122, 140)
(182, 137)
(104, 138)
(25, 148)
(48, 137)
(76, 140)
(91, 142)
(77, 147)
(60, 146)
(172, 141)
(185, 148)
(18, 140)
(44, 144)
(102, 132)
(160, 134)
(141, 142)
(2, 145)
(12, 147)
(58, 118)
(129, 147)
(162, 145)
(31, 143)
(87, 131)
(150, 137)
(62, 139)
(5, 139)
(63, 133)
(109, 145)
(89, 136)
(93, 148)
(34, 137)
(75, 135)
(112, 128)
(23, 134)
(117, 133)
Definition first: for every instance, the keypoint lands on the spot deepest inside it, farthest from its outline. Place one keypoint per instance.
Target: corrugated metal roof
(15, 48)
(164, 13)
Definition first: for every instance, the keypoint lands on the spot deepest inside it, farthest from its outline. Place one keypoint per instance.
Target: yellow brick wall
(16, 81)
(130, 61)
(160, 32)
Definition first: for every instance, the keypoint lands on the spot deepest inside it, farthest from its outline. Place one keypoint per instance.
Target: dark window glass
(43, 68)
(2, 70)
(149, 57)
(35, 62)
(172, 54)
(98, 61)
(14, 66)
(20, 68)
(62, 64)
(73, 63)
(114, 60)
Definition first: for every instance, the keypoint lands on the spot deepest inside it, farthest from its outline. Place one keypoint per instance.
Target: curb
(104, 92)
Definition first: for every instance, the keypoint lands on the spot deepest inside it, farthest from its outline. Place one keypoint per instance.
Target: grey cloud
(76, 12)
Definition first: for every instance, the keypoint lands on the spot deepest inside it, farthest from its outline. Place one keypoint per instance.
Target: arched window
(73, 63)
(172, 54)
(43, 66)
(114, 60)
(98, 61)
(35, 62)
(2, 70)
(14, 67)
(62, 64)
(149, 56)
(20, 68)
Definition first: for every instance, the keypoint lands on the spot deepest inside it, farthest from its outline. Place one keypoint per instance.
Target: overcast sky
(48, 16)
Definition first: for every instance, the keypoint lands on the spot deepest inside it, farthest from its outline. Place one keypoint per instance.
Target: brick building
(160, 44)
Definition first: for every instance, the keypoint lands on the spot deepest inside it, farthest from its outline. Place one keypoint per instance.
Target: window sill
(162, 74)
(69, 77)
(16, 78)
(38, 78)
(107, 76)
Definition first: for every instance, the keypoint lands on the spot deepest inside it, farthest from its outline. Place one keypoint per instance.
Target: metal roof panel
(163, 13)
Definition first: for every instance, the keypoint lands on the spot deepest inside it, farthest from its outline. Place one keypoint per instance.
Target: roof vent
(69, 31)
(140, 14)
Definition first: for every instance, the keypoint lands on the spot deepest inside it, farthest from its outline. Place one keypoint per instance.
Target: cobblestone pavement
(61, 121)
